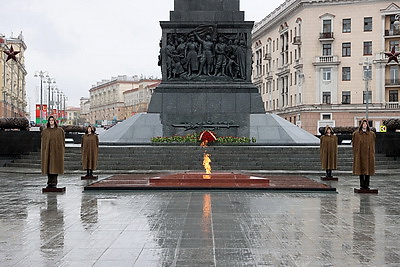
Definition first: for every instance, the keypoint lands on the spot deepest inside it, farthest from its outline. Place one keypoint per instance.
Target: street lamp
(64, 99)
(49, 81)
(367, 69)
(42, 75)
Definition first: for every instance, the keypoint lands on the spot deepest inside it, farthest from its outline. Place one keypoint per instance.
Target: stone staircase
(224, 158)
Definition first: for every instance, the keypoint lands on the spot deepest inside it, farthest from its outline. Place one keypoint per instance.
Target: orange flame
(204, 143)
(207, 166)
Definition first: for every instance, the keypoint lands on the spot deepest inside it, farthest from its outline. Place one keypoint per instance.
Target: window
(327, 49)
(369, 97)
(395, 44)
(326, 116)
(394, 74)
(368, 24)
(346, 97)
(346, 25)
(346, 71)
(393, 96)
(326, 97)
(367, 48)
(326, 26)
(326, 74)
(346, 49)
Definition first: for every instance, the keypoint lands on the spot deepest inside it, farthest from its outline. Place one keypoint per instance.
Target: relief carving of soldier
(199, 52)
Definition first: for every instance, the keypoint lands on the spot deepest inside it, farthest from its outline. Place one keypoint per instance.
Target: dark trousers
(52, 180)
(364, 181)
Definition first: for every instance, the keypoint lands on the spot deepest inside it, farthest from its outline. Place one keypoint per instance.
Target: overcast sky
(81, 42)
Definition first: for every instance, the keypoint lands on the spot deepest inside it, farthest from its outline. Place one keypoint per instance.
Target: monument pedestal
(365, 191)
(53, 189)
(206, 66)
(324, 178)
(87, 177)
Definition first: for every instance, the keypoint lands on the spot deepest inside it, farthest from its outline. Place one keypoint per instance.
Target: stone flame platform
(203, 181)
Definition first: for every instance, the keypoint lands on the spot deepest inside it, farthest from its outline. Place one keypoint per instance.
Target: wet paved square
(197, 228)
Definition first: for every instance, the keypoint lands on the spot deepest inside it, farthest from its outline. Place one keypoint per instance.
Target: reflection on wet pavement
(197, 228)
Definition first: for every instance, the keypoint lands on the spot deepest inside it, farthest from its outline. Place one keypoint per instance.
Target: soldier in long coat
(328, 151)
(52, 151)
(89, 149)
(363, 142)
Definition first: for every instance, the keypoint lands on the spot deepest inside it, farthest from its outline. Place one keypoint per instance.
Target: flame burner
(218, 181)
(211, 180)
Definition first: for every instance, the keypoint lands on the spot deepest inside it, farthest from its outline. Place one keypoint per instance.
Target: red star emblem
(11, 54)
(392, 55)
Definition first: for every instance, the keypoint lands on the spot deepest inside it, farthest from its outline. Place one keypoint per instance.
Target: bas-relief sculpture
(204, 53)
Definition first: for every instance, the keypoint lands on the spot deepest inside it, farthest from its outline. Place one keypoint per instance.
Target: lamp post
(367, 65)
(52, 98)
(64, 99)
(49, 81)
(42, 75)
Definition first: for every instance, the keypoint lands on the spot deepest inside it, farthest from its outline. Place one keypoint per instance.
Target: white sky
(81, 42)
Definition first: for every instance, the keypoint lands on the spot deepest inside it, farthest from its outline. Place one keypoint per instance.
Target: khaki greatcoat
(89, 149)
(52, 150)
(328, 151)
(363, 152)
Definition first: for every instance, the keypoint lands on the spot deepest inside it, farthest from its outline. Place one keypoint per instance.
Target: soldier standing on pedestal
(328, 151)
(363, 142)
(52, 151)
(89, 149)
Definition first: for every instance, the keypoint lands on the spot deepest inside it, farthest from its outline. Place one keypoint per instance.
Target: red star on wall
(11, 54)
(392, 55)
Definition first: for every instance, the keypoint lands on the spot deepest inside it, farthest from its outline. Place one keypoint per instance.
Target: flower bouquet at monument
(206, 137)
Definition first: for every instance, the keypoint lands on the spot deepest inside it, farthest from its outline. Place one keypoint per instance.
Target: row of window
(346, 97)
(346, 73)
(346, 49)
(346, 25)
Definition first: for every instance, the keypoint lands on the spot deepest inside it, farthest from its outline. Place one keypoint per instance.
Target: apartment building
(137, 99)
(108, 103)
(73, 116)
(322, 62)
(13, 73)
(84, 103)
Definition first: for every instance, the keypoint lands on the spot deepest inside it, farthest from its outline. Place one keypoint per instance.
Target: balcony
(326, 36)
(326, 60)
(392, 82)
(267, 56)
(297, 40)
(392, 105)
(392, 32)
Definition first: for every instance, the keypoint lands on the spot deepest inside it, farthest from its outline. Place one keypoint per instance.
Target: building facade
(84, 104)
(73, 116)
(137, 99)
(13, 73)
(319, 63)
(109, 104)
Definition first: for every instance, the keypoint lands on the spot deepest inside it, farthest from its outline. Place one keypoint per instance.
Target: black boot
(366, 183)
(329, 173)
(51, 180)
(91, 173)
(362, 181)
(87, 172)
